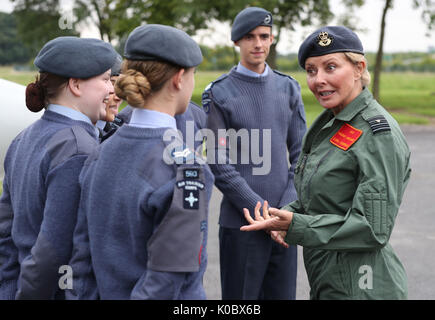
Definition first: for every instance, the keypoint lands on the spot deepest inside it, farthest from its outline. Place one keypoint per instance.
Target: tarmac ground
(413, 237)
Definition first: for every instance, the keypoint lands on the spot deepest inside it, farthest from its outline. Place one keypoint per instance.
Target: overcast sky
(405, 29)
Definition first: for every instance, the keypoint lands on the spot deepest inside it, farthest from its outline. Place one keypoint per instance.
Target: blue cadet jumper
(195, 116)
(145, 235)
(39, 204)
(38, 207)
(146, 232)
(252, 265)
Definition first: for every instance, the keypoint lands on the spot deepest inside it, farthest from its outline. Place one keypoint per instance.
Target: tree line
(222, 58)
(38, 21)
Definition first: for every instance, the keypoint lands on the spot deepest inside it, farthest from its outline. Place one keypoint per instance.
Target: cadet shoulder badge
(182, 155)
(378, 124)
(346, 136)
(191, 188)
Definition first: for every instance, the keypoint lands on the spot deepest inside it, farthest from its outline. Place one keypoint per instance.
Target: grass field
(410, 97)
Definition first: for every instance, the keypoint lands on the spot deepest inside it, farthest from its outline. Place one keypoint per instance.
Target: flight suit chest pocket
(176, 244)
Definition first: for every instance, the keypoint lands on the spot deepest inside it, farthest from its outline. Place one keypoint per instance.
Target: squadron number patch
(191, 188)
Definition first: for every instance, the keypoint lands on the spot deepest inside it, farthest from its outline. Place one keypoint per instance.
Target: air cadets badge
(324, 39)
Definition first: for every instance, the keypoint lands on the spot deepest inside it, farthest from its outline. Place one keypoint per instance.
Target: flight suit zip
(315, 170)
(300, 170)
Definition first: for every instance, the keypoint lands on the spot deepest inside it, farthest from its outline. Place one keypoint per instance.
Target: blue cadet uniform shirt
(72, 114)
(144, 235)
(193, 118)
(240, 102)
(39, 203)
(100, 125)
(243, 70)
(152, 119)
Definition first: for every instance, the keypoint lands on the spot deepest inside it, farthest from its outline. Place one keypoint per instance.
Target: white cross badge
(191, 201)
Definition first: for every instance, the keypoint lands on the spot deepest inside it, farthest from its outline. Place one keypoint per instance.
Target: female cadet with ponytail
(38, 207)
(144, 236)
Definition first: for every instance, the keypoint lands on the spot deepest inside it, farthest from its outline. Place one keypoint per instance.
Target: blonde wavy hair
(355, 58)
(140, 79)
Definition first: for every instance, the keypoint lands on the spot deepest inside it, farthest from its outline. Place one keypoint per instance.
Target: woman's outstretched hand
(273, 220)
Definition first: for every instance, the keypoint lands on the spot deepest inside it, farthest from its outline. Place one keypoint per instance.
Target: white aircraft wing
(14, 115)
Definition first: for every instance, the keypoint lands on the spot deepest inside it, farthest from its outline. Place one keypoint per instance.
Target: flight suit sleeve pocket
(375, 205)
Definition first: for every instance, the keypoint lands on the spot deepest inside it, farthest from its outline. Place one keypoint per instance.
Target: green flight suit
(349, 196)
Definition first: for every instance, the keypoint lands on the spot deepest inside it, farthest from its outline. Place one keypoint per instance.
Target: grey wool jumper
(269, 108)
(38, 207)
(144, 234)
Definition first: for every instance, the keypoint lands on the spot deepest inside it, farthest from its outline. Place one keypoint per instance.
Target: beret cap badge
(324, 39)
(268, 19)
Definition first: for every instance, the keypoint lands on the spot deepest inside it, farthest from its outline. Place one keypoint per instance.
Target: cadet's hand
(272, 220)
(277, 236)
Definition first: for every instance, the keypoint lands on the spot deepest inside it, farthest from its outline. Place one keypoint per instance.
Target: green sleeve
(383, 175)
(294, 206)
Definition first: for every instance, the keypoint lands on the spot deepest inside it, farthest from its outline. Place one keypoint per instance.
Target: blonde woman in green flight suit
(350, 179)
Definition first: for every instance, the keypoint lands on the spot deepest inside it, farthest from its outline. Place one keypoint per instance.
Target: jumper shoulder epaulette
(206, 95)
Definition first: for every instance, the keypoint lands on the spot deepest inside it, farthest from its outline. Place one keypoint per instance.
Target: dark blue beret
(249, 19)
(116, 68)
(162, 43)
(73, 57)
(328, 40)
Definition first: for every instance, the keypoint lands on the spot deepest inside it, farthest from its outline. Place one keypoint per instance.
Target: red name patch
(346, 137)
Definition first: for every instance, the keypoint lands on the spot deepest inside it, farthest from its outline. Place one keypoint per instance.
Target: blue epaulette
(206, 95)
(284, 75)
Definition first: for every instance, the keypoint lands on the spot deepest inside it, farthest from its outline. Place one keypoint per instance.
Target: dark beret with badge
(330, 39)
(162, 43)
(116, 68)
(73, 57)
(249, 19)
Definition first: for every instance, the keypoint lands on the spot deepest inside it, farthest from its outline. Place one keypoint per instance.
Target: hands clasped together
(274, 221)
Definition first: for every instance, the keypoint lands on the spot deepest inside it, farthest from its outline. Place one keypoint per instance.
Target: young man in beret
(268, 105)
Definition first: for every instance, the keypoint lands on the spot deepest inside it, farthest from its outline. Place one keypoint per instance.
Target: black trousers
(254, 267)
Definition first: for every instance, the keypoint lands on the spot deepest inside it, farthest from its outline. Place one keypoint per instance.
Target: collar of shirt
(355, 106)
(145, 118)
(243, 70)
(100, 124)
(71, 113)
